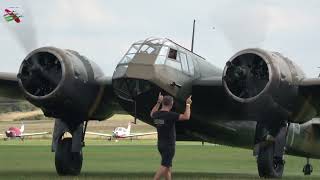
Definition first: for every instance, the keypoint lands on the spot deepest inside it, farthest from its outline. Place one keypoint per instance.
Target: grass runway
(139, 159)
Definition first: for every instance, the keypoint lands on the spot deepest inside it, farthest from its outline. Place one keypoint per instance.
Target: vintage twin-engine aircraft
(261, 100)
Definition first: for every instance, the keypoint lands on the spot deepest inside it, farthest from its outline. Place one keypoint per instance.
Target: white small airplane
(121, 132)
(14, 132)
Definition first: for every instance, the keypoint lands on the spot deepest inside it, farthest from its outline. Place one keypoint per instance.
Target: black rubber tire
(67, 163)
(268, 166)
(307, 169)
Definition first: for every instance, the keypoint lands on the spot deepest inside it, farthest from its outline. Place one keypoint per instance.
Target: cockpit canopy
(165, 51)
(120, 129)
(148, 46)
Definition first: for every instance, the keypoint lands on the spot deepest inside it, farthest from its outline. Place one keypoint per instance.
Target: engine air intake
(246, 75)
(41, 73)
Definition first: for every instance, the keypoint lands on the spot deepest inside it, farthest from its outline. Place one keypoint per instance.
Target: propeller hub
(246, 76)
(40, 73)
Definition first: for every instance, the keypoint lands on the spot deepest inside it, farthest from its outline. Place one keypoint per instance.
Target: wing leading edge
(209, 96)
(99, 134)
(130, 135)
(9, 86)
(310, 90)
(34, 134)
(141, 134)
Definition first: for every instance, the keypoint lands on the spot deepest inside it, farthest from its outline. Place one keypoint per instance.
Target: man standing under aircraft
(165, 120)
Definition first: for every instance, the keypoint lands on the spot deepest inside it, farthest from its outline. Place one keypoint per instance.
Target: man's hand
(160, 98)
(157, 106)
(187, 112)
(189, 100)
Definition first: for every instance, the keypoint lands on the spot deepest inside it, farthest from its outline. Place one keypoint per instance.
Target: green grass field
(138, 159)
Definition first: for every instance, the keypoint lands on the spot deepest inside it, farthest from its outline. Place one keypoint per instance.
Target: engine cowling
(60, 82)
(264, 84)
(254, 73)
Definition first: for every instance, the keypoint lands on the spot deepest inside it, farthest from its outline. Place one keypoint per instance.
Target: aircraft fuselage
(152, 68)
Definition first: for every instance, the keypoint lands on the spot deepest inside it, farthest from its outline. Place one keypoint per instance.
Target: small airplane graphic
(11, 15)
(121, 132)
(14, 132)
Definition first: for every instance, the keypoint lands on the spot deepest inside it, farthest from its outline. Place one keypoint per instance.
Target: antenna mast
(192, 42)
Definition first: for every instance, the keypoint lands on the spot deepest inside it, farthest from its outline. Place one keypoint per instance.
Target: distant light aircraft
(12, 15)
(121, 132)
(14, 132)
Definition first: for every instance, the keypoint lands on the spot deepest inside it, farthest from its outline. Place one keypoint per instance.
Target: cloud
(244, 24)
(89, 15)
(292, 18)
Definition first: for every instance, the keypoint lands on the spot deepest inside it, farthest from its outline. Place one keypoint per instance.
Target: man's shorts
(167, 153)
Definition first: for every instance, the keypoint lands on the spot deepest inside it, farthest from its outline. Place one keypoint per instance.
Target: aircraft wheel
(67, 162)
(307, 169)
(268, 165)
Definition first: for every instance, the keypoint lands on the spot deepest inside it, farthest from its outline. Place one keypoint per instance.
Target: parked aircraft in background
(121, 132)
(14, 132)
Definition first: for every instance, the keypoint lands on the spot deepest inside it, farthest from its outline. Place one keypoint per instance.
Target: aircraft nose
(120, 71)
(135, 70)
(128, 88)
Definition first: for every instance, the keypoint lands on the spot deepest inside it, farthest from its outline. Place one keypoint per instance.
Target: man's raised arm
(157, 106)
(187, 112)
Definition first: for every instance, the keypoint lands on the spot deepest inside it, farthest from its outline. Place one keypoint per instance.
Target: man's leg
(168, 174)
(170, 155)
(162, 171)
(167, 154)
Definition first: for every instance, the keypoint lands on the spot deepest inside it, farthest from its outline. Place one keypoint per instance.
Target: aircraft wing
(33, 134)
(140, 134)
(310, 89)
(106, 103)
(209, 97)
(209, 87)
(99, 134)
(9, 86)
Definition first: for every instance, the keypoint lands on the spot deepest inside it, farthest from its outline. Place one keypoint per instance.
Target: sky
(103, 30)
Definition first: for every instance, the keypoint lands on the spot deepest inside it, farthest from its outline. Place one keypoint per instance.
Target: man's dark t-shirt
(165, 123)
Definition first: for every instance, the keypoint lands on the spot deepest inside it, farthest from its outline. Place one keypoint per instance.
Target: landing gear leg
(68, 151)
(66, 161)
(270, 160)
(307, 169)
